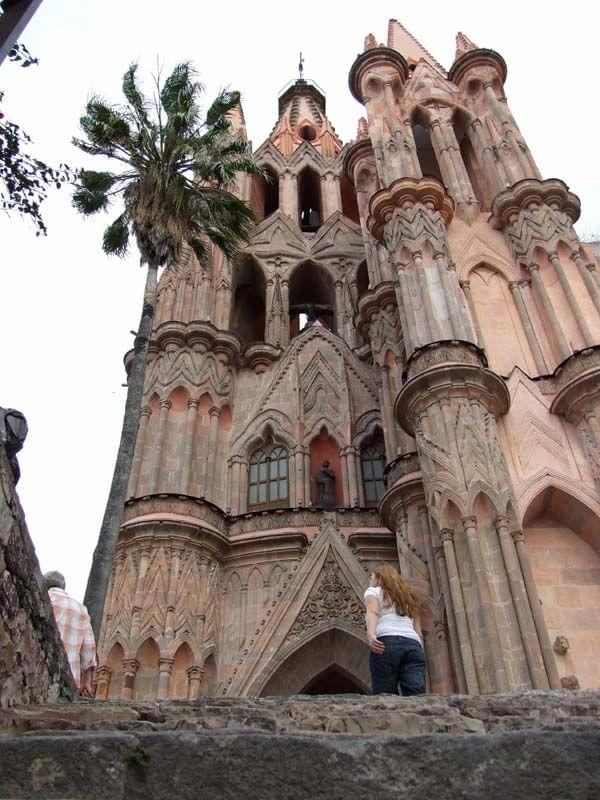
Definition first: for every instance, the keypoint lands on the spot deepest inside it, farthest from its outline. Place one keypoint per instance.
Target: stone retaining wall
(33, 663)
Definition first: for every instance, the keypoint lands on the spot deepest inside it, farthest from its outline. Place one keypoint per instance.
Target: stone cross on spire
(301, 67)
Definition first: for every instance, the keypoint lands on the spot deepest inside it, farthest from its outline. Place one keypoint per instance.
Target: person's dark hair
(396, 591)
(54, 580)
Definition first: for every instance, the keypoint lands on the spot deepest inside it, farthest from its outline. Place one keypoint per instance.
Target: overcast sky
(66, 309)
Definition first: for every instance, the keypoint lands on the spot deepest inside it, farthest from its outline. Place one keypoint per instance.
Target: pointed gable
(405, 43)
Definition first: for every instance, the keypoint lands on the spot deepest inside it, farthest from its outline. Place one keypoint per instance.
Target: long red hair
(396, 591)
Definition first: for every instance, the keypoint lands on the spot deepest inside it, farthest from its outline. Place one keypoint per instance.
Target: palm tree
(173, 175)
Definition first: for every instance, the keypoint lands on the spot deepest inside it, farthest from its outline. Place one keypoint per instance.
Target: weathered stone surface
(33, 663)
(303, 714)
(232, 765)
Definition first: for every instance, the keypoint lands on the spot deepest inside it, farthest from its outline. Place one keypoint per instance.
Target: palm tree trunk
(97, 586)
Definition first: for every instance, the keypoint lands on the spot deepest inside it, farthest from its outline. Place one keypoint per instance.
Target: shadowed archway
(332, 662)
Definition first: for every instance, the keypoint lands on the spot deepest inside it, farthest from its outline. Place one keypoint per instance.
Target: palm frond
(178, 96)
(134, 95)
(225, 102)
(200, 248)
(115, 241)
(91, 193)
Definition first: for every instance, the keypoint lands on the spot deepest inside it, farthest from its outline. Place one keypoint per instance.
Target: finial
(301, 67)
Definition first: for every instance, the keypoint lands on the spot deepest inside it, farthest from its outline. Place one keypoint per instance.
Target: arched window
(268, 483)
(309, 197)
(311, 298)
(248, 308)
(373, 462)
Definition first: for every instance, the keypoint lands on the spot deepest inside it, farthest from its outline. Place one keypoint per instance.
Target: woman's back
(390, 623)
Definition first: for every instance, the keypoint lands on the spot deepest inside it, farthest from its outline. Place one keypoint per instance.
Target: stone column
(573, 304)
(466, 650)
(455, 651)
(102, 678)
(194, 674)
(344, 477)
(466, 287)
(410, 331)
(293, 189)
(307, 486)
(536, 610)
(271, 332)
(359, 478)
(339, 308)
(532, 340)
(244, 484)
(139, 593)
(455, 317)
(490, 628)
(211, 468)
(435, 333)
(390, 434)
(588, 271)
(352, 478)
(165, 665)
(493, 167)
(537, 673)
(563, 345)
(130, 668)
(165, 405)
(298, 455)
(235, 485)
(284, 335)
(139, 451)
(188, 450)
(172, 591)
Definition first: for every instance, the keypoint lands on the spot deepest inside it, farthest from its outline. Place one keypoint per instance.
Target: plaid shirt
(75, 630)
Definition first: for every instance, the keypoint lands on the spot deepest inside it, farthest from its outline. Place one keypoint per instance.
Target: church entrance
(332, 662)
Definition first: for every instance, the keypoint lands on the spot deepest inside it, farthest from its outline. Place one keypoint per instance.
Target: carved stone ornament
(331, 599)
(417, 208)
(451, 351)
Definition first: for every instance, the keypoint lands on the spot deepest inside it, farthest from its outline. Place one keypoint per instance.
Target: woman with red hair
(397, 659)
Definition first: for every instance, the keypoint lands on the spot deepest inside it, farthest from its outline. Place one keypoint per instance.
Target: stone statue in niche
(325, 478)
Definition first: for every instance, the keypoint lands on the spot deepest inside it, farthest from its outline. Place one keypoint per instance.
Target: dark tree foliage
(25, 180)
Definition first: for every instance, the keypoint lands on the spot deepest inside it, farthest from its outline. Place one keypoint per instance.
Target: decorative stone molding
(570, 369)
(405, 464)
(259, 356)
(535, 213)
(450, 351)
(380, 64)
(410, 211)
(478, 63)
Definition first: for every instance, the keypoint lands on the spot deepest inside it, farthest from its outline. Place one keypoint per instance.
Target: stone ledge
(520, 766)
(324, 715)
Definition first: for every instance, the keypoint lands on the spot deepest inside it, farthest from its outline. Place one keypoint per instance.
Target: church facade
(402, 366)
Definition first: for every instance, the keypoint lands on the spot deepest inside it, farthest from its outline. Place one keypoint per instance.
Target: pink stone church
(416, 309)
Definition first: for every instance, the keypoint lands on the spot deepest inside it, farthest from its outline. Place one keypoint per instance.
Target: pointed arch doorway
(333, 661)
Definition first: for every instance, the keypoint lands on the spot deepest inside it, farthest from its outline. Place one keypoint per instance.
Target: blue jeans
(401, 665)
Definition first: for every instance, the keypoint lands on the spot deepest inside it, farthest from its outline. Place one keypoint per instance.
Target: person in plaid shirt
(75, 630)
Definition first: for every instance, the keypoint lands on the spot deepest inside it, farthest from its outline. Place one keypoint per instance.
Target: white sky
(66, 310)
